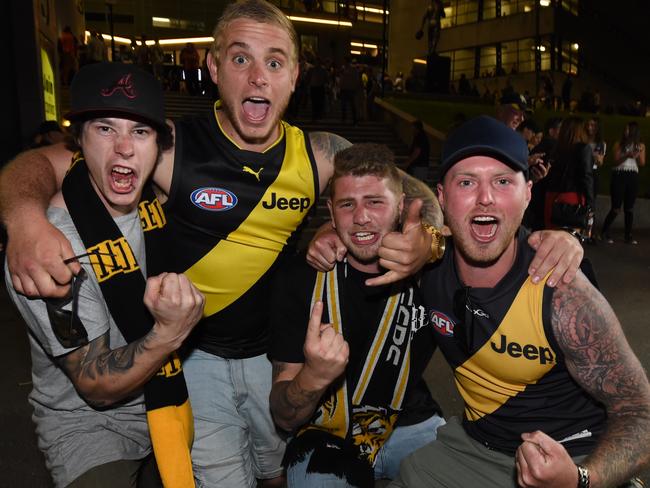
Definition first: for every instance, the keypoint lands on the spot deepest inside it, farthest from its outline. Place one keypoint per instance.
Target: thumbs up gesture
(404, 253)
(326, 351)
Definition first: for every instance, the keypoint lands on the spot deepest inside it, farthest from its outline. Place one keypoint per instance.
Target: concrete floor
(623, 272)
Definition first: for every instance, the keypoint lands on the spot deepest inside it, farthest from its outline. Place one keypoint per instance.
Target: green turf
(443, 114)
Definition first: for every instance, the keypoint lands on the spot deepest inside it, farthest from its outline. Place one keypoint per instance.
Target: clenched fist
(175, 304)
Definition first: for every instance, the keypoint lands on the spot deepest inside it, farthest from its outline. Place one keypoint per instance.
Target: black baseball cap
(117, 89)
(485, 136)
(515, 100)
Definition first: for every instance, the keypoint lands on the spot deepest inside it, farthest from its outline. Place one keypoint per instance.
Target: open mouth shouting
(123, 179)
(484, 227)
(256, 108)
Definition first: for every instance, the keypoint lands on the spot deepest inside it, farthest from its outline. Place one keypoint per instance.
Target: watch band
(437, 242)
(583, 476)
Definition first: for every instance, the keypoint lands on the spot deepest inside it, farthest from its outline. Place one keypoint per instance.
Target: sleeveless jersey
(231, 213)
(507, 364)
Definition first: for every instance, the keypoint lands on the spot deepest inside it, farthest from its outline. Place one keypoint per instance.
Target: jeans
(235, 440)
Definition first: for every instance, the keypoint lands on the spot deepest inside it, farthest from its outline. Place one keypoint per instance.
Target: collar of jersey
(217, 106)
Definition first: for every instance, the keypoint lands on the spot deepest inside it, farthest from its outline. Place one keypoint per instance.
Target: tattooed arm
(601, 361)
(298, 387)
(104, 376)
(325, 145)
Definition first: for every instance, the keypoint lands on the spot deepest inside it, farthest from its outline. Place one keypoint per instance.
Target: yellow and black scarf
(358, 414)
(169, 413)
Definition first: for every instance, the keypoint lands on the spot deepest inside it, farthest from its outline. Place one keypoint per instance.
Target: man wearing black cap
(512, 109)
(554, 396)
(94, 351)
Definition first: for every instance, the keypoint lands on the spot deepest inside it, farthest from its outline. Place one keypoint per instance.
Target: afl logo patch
(442, 324)
(214, 199)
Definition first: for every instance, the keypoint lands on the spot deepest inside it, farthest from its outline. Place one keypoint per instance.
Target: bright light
(163, 20)
(355, 52)
(575, 46)
(342, 23)
(544, 3)
(185, 40)
(419, 61)
(65, 123)
(368, 9)
(541, 48)
(362, 44)
(527, 8)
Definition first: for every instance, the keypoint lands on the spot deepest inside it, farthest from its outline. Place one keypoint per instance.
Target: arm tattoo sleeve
(292, 406)
(96, 361)
(602, 362)
(328, 144)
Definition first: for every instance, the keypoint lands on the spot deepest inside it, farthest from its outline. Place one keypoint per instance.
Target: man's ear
(212, 67)
(329, 206)
(294, 76)
(441, 198)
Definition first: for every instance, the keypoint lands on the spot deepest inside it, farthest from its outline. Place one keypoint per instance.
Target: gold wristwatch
(437, 242)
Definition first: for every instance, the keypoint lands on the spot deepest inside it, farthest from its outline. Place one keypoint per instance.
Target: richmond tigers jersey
(230, 214)
(509, 369)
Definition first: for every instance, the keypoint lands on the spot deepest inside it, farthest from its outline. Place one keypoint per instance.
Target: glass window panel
(509, 56)
(488, 60)
(489, 9)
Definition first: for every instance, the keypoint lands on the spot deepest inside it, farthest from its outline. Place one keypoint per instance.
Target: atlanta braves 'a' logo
(124, 84)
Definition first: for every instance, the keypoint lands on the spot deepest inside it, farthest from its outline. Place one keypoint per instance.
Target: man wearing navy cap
(554, 396)
(512, 109)
(94, 351)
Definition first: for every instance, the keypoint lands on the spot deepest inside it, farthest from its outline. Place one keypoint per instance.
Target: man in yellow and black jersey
(238, 186)
(554, 396)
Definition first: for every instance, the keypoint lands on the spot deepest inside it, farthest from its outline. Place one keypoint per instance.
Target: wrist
(437, 242)
(159, 339)
(25, 217)
(309, 381)
(575, 233)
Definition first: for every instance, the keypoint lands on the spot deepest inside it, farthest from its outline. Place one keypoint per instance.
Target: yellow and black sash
(169, 413)
(355, 420)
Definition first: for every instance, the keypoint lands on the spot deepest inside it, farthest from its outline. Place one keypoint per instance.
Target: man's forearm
(26, 183)
(104, 376)
(292, 405)
(624, 448)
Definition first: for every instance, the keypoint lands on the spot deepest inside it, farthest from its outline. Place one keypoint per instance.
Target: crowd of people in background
(566, 160)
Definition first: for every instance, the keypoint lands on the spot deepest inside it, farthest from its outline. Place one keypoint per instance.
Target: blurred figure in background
(570, 176)
(629, 155)
(598, 150)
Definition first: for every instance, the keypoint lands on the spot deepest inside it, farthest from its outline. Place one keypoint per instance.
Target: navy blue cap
(485, 136)
(104, 89)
